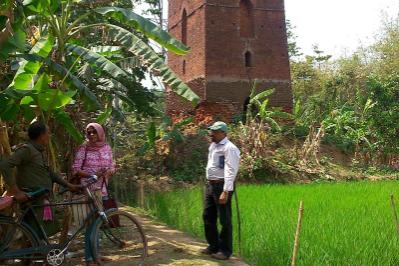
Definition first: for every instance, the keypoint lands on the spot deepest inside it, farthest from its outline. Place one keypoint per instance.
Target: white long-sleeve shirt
(223, 163)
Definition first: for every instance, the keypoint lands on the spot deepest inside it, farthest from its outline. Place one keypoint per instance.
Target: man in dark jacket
(32, 170)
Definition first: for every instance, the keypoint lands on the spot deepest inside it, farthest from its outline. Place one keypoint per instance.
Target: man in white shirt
(221, 172)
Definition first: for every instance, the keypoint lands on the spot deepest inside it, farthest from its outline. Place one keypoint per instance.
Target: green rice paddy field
(343, 223)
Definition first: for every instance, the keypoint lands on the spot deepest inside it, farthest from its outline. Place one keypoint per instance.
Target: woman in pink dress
(94, 157)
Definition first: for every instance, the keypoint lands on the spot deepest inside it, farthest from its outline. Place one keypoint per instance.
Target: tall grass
(343, 223)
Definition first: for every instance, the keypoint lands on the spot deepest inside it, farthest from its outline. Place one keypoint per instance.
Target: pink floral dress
(91, 160)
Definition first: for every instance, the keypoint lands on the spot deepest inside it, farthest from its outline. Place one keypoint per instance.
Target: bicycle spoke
(121, 238)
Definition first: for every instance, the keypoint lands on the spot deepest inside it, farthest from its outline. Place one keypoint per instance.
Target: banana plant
(65, 41)
(165, 131)
(258, 108)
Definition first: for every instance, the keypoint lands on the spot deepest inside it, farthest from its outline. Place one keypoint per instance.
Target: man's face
(217, 135)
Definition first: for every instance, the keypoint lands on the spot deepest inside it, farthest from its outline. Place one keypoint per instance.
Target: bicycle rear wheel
(119, 239)
(13, 238)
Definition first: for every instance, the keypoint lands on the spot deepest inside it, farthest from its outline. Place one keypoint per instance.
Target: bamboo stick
(297, 233)
(395, 213)
(238, 222)
(142, 195)
(4, 141)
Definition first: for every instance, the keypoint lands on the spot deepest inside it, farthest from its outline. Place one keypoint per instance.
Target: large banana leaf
(100, 61)
(13, 43)
(9, 110)
(25, 77)
(45, 7)
(107, 50)
(88, 96)
(64, 119)
(149, 29)
(116, 88)
(151, 59)
(111, 85)
(104, 116)
(47, 98)
(258, 97)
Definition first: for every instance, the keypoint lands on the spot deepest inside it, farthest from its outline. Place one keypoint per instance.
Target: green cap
(219, 125)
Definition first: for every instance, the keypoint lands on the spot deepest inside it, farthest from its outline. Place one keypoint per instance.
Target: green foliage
(258, 109)
(166, 131)
(355, 97)
(146, 54)
(145, 26)
(64, 119)
(66, 67)
(383, 114)
(24, 79)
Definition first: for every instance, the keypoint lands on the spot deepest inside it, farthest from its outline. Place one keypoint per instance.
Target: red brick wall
(195, 59)
(209, 112)
(215, 67)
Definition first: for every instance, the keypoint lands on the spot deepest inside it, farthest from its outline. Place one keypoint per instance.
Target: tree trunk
(5, 149)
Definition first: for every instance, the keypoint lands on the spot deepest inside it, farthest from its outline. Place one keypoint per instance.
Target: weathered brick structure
(233, 43)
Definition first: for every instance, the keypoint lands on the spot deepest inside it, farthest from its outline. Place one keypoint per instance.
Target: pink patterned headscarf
(100, 133)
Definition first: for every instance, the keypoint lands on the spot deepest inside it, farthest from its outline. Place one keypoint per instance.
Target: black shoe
(207, 251)
(220, 256)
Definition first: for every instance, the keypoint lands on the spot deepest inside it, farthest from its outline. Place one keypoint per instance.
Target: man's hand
(74, 188)
(20, 196)
(223, 197)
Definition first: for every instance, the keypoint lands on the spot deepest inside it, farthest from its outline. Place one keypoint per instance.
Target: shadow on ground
(169, 247)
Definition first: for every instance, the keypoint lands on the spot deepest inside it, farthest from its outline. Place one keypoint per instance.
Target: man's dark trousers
(222, 241)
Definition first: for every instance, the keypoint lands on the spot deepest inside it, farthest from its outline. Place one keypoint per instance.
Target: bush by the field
(343, 223)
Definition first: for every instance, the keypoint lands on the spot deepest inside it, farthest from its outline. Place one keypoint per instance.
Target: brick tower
(233, 43)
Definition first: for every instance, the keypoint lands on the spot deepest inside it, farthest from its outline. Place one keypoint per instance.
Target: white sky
(337, 26)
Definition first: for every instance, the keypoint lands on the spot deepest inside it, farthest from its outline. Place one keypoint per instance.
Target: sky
(337, 26)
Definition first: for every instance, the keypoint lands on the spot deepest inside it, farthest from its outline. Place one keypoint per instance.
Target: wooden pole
(297, 233)
(238, 221)
(395, 213)
(142, 195)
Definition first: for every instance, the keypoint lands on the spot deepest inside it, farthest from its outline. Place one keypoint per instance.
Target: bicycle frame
(40, 252)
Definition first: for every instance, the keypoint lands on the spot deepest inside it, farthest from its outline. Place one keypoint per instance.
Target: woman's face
(92, 135)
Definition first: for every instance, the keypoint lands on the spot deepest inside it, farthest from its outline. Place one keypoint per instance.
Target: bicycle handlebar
(90, 181)
(37, 193)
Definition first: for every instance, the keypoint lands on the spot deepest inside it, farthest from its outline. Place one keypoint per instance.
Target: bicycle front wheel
(119, 239)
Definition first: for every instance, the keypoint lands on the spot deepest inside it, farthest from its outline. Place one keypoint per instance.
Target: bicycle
(125, 239)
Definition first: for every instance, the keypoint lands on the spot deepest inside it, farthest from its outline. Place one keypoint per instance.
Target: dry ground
(171, 247)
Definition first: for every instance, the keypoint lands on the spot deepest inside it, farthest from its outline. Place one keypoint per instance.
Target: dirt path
(172, 247)
(167, 246)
